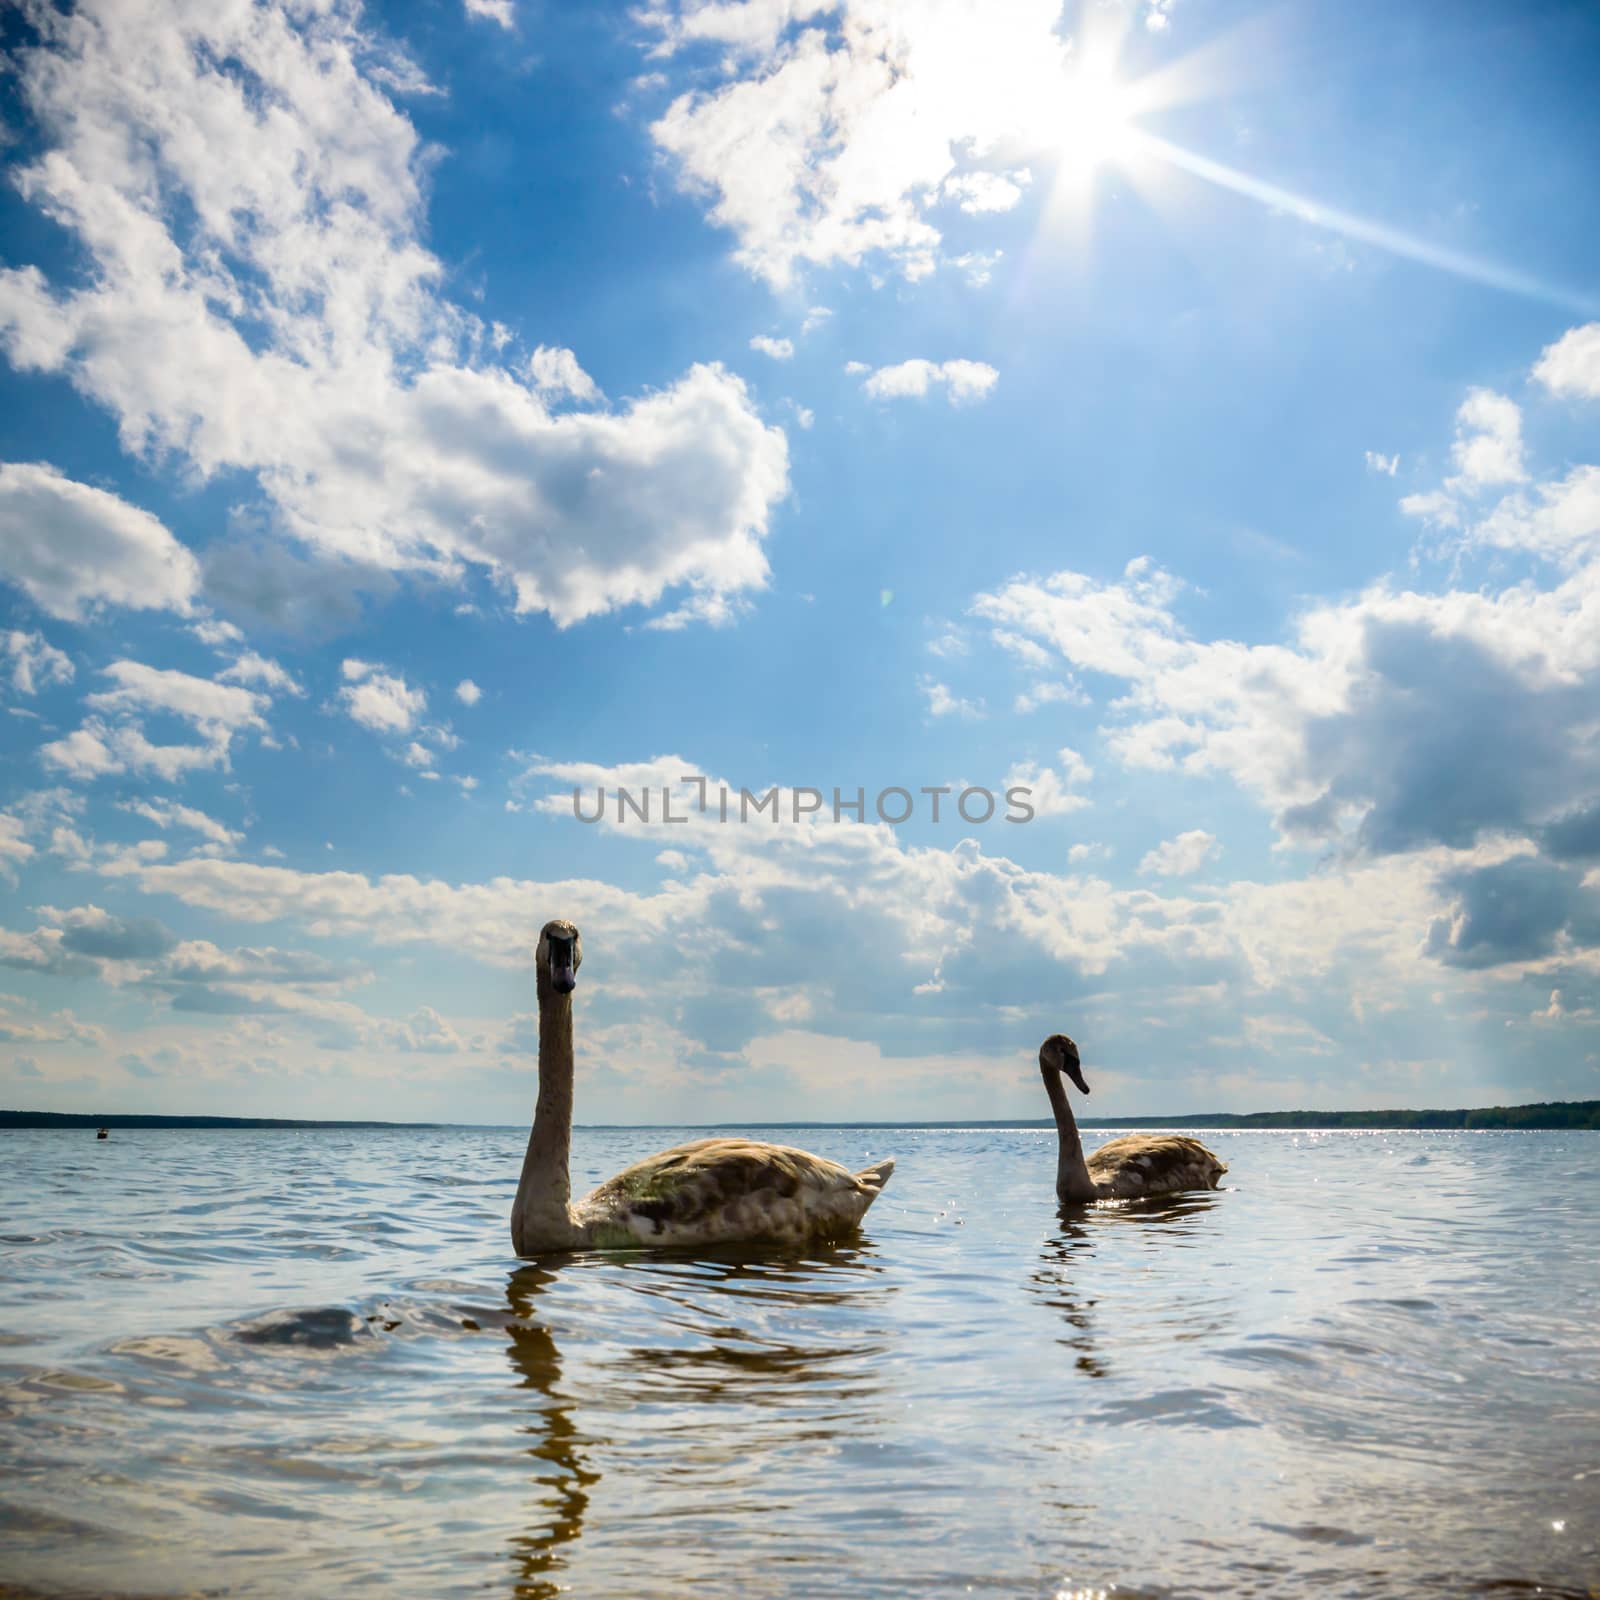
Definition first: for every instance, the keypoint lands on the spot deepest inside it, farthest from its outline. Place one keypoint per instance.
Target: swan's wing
(728, 1189)
(1154, 1163)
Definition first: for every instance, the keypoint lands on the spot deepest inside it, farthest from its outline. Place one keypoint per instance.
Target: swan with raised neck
(1131, 1168)
(711, 1191)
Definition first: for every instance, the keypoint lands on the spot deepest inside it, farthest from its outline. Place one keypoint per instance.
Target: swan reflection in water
(748, 1358)
(556, 1444)
(1065, 1280)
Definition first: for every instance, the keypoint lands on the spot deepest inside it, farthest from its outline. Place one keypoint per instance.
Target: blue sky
(1185, 411)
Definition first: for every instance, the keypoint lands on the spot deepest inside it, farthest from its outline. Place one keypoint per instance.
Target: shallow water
(292, 1363)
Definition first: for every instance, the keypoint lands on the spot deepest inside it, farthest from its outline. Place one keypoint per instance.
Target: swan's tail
(874, 1177)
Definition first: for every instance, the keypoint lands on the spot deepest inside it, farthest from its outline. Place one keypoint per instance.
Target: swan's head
(1059, 1054)
(560, 955)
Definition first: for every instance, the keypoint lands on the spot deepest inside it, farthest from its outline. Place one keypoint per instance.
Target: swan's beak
(1075, 1072)
(563, 969)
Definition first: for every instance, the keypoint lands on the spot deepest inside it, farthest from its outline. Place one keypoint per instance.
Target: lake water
(306, 1363)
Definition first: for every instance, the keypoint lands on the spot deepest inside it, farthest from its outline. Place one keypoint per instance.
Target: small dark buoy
(104, 1133)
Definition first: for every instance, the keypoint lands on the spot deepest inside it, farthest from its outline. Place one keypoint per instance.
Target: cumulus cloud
(14, 847)
(425, 1030)
(1047, 694)
(833, 144)
(1388, 465)
(1395, 721)
(217, 711)
(557, 375)
(169, 814)
(216, 633)
(62, 1027)
(35, 664)
(778, 349)
(382, 701)
(1571, 366)
(492, 11)
(1053, 792)
(964, 382)
(1519, 910)
(986, 191)
(963, 945)
(468, 693)
(941, 703)
(1181, 857)
(259, 240)
(212, 706)
(73, 548)
(1488, 445)
(92, 931)
(253, 668)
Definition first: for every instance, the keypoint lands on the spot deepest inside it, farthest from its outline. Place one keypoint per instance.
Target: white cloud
(815, 317)
(257, 296)
(715, 610)
(215, 632)
(1388, 465)
(1054, 793)
(252, 668)
(14, 848)
(832, 146)
(1029, 652)
(468, 693)
(1571, 365)
(557, 375)
(1488, 445)
(986, 191)
(1367, 725)
(1047, 694)
(977, 266)
(60, 1028)
(964, 940)
(492, 11)
(73, 548)
(83, 754)
(35, 664)
(778, 349)
(1558, 521)
(941, 703)
(217, 711)
(212, 707)
(427, 1031)
(169, 814)
(1181, 857)
(382, 701)
(964, 381)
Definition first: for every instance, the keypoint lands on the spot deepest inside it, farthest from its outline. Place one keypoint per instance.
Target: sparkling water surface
(300, 1363)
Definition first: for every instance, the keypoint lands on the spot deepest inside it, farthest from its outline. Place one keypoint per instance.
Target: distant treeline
(1547, 1114)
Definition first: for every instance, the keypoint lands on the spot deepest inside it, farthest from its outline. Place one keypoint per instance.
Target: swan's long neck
(541, 1212)
(1072, 1171)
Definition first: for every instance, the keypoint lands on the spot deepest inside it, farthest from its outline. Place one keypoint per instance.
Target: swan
(1130, 1168)
(713, 1191)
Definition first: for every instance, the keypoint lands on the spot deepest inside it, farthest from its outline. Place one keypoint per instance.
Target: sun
(1093, 123)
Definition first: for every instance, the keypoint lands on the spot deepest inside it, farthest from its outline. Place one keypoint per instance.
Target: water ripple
(262, 1364)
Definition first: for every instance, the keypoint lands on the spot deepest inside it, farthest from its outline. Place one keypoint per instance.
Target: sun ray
(1475, 269)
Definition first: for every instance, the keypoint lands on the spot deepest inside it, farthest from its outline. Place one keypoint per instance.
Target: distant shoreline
(1546, 1115)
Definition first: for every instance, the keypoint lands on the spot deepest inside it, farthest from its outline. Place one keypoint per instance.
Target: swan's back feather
(1140, 1164)
(725, 1190)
